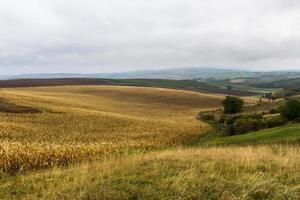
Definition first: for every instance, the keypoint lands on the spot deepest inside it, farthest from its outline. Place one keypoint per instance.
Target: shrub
(229, 130)
(275, 121)
(241, 126)
(207, 116)
(259, 124)
(274, 111)
(297, 120)
(222, 119)
(233, 104)
(244, 125)
(231, 119)
(291, 109)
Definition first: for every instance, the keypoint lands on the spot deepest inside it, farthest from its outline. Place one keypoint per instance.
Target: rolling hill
(75, 123)
(190, 85)
(174, 74)
(120, 142)
(284, 134)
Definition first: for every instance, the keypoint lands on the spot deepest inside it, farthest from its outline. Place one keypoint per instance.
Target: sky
(94, 36)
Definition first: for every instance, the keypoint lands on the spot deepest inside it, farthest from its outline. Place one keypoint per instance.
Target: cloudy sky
(119, 35)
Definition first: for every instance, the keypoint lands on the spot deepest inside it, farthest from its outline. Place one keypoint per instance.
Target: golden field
(249, 172)
(78, 123)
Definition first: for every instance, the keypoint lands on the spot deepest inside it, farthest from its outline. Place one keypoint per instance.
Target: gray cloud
(117, 35)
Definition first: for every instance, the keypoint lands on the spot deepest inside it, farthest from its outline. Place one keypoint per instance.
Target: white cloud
(118, 35)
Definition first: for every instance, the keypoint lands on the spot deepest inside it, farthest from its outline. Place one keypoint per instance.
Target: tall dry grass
(250, 172)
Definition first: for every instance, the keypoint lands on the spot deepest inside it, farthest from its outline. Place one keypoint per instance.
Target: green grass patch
(284, 134)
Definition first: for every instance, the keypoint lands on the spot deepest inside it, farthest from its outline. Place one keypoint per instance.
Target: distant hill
(182, 73)
(278, 82)
(171, 74)
(191, 85)
(175, 74)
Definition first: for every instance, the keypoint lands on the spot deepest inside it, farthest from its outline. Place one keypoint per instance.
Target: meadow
(250, 172)
(80, 123)
(289, 133)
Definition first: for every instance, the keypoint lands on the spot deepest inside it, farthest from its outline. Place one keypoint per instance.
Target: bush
(274, 111)
(241, 126)
(244, 125)
(259, 124)
(233, 105)
(207, 116)
(275, 121)
(297, 120)
(291, 109)
(222, 119)
(231, 119)
(229, 130)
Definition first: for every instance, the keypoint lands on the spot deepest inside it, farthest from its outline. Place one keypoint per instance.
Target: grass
(284, 134)
(261, 172)
(79, 123)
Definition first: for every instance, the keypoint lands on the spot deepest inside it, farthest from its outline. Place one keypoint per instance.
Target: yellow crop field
(77, 123)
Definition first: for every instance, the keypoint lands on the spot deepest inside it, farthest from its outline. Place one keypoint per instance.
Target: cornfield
(83, 123)
(16, 157)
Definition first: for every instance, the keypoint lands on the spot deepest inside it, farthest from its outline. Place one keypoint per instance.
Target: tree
(291, 109)
(269, 95)
(229, 87)
(233, 104)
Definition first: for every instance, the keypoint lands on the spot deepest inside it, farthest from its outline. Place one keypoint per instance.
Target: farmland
(77, 123)
(190, 85)
(149, 100)
(121, 142)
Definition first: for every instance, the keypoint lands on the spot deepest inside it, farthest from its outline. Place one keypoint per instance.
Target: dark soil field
(190, 85)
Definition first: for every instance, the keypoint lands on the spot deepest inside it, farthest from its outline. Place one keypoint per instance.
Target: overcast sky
(120, 35)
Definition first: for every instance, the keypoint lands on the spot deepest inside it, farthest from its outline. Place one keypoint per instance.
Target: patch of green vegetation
(224, 83)
(284, 134)
(233, 104)
(163, 83)
(255, 89)
(260, 126)
(281, 83)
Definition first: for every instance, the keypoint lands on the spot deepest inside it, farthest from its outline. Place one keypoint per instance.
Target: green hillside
(285, 134)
